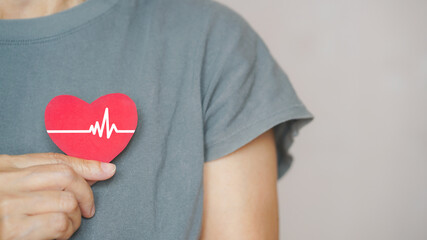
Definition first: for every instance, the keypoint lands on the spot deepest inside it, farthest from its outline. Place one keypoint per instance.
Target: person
(216, 118)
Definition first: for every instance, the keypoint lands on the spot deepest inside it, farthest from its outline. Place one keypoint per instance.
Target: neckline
(15, 30)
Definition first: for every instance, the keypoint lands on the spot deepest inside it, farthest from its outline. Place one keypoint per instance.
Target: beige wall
(361, 68)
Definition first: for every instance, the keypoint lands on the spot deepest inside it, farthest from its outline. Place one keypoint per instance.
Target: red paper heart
(96, 131)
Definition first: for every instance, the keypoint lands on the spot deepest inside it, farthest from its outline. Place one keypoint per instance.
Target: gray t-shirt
(203, 81)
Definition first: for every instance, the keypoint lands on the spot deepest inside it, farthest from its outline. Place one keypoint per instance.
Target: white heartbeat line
(94, 129)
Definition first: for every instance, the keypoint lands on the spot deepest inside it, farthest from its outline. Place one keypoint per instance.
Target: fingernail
(108, 167)
(92, 211)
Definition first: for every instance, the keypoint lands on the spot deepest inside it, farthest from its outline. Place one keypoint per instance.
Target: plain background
(359, 169)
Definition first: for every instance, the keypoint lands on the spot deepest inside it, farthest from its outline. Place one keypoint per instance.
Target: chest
(164, 92)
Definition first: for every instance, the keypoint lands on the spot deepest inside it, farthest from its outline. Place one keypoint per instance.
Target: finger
(91, 182)
(48, 226)
(42, 202)
(76, 218)
(57, 177)
(6, 161)
(88, 169)
(63, 202)
(38, 202)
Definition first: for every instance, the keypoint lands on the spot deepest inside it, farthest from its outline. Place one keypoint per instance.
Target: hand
(44, 195)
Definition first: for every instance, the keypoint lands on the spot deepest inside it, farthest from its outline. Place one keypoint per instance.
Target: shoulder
(209, 29)
(205, 16)
(205, 32)
(202, 8)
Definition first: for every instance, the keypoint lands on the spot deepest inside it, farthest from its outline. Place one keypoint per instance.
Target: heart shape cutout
(96, 131)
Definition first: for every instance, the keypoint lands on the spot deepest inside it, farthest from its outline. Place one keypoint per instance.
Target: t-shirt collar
(53, 25)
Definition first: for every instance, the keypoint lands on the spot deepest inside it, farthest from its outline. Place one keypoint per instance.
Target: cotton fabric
(204, 83)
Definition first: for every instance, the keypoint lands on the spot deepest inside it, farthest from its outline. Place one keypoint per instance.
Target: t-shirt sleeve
(244, 91)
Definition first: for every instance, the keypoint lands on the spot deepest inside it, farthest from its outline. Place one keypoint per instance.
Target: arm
(240, 194)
